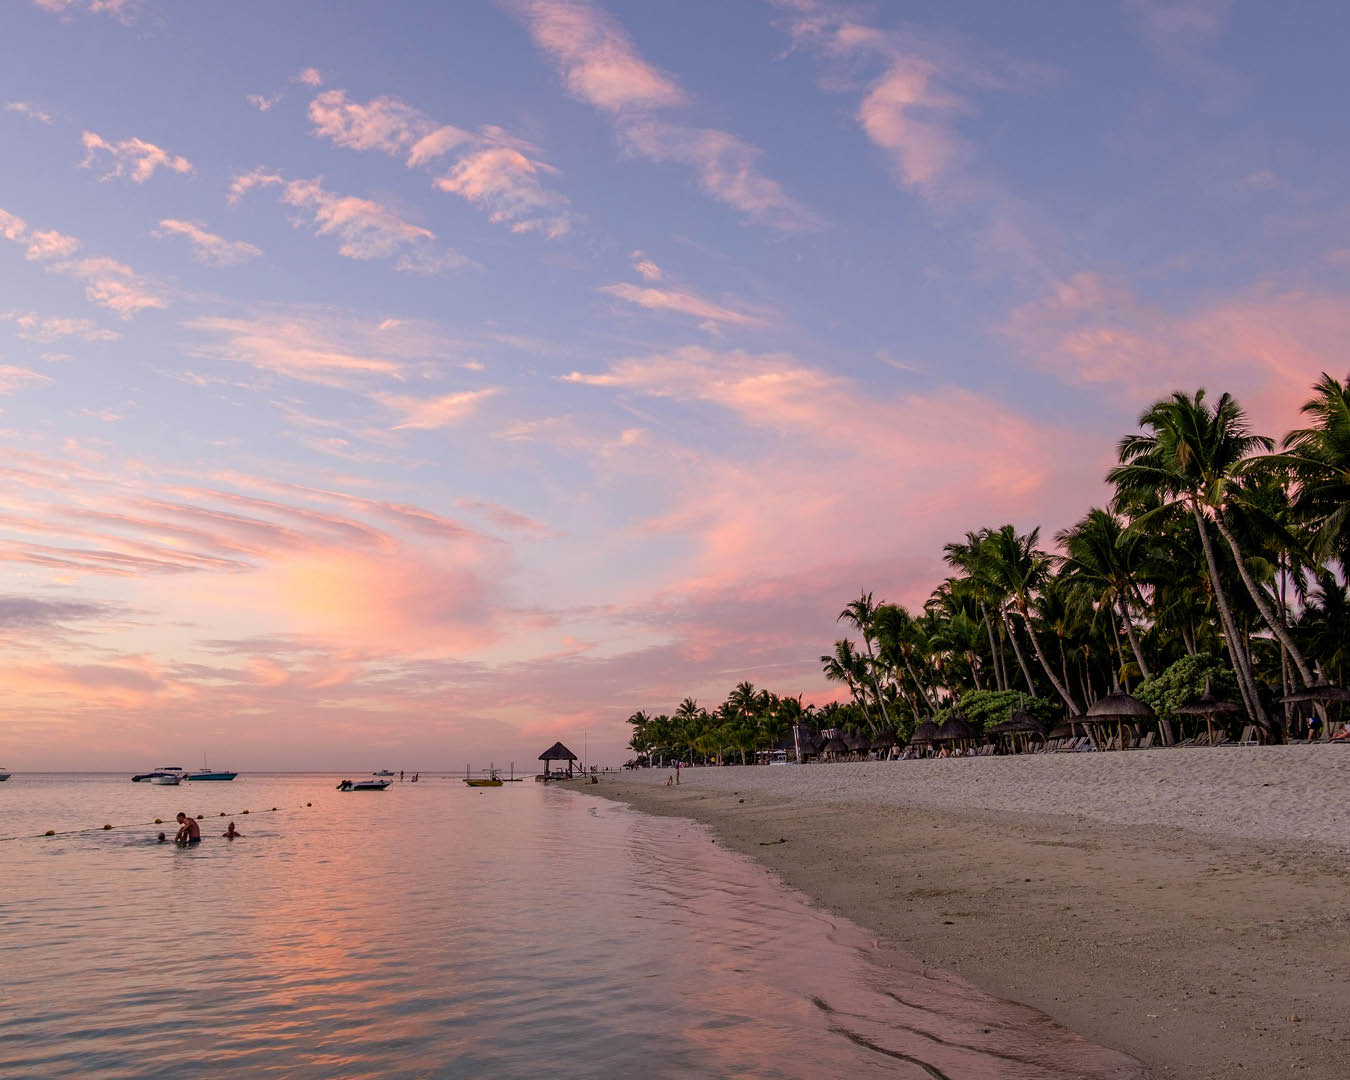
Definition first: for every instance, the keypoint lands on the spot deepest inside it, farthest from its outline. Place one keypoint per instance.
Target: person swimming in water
(163, 839)
(189, 832)
(231, 832)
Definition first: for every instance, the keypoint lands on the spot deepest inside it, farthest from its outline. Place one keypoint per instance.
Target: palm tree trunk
(1017, 651)
(876, 689)
(929, 698)
(1000, 679)
(1133, 635)
(1263, 603)
(1074, 710)
(1188, 638)
(1241, 661)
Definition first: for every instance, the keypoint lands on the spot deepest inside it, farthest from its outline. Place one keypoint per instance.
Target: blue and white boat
(206, 773)
(161, 774)
(4, 775)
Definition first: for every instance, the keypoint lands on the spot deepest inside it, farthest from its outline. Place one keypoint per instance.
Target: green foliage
(1185, 681)
(984, 708)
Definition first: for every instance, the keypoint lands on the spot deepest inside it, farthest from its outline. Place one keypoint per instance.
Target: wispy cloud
(365, 229)
(428, 413)
(49, 328)
(122, 10)
(14, 378)
(600, 65)
(501, 175)
(264, 102)
(308, 77)
(133, 158)
(108, 283)
(505, 517)
(321, 344)
(27, 108)
(207, 247)
(680, 302)
(598, 60)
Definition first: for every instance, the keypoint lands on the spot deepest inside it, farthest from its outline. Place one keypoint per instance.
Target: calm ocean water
(435, 930)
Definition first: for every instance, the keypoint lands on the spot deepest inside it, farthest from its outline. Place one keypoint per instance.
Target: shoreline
(1204, 954)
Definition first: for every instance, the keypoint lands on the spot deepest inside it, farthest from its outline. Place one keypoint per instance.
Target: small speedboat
(383, 772)
(363, 785)
(162, 770)
(491, 780)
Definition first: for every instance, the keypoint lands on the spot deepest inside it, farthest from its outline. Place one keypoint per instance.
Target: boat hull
(165, 781)
(484, 783)
(211, 776)
(363, 785)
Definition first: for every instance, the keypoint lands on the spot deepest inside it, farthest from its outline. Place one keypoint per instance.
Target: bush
(985, 708)
(1185, 681)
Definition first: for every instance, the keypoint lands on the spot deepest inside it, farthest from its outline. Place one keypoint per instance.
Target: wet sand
(1206, 955)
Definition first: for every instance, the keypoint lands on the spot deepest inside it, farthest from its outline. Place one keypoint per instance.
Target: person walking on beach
(677, 774)
(231, 832)
(189, 832)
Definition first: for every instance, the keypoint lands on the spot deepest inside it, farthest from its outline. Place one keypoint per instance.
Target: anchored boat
(363, 785)
(209, 774)
(159, 772)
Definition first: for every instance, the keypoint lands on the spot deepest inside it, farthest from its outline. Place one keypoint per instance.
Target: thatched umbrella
(1061, 731)
(1208, 706)
(1021, 723)
(1120, 708)
(857, 743)
(957, 729)
(1319, 693)
(558, 752)
(884, 740)
(925, 733)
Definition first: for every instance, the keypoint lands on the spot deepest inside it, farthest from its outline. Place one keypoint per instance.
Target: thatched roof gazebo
(1118, 708)
(924, 734)
(883, 740)
(1019, 729)
(557, 752)
(1208, 707)
(957, 729)
(858, 744)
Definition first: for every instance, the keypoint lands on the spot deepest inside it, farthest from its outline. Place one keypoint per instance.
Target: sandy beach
(1188, 907)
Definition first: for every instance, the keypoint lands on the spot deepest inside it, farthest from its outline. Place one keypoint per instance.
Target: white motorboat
(167, 779)
(159, 771)
(364, 785)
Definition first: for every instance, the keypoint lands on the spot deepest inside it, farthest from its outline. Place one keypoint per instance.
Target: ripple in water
(435, 930)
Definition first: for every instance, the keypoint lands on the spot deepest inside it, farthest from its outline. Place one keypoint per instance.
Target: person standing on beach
(677, 774)
(189, 832)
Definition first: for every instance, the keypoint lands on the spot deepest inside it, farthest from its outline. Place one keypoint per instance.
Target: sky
(413, 384)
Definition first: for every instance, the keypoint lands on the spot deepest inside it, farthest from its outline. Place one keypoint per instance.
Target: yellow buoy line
(129, 825)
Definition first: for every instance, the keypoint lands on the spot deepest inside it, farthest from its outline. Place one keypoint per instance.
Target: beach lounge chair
(1145, 743)
(1248, 737)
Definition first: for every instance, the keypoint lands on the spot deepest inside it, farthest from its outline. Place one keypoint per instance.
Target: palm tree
(1099, 559)
(1190, 456)
(1014, 563)
(862, 614)
(1320, 459)
(967, 557)
(846, 666)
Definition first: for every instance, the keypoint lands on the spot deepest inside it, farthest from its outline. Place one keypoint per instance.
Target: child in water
(231, 832)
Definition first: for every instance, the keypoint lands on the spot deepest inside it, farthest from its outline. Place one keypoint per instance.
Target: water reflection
(437, 930)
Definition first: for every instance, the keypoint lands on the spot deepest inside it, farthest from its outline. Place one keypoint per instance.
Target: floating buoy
(222, 813)
(199, 817)
(244, 812)
(309, 804)
(50, 832)
(107, 826)
(159, 821)
(274, 808)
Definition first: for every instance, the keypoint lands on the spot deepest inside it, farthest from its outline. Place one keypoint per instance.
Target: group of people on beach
(189, 832)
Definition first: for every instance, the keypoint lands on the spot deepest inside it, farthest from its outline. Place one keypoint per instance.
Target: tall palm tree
(967, 557)
(1190, 455)
(846, 666)
(1015, 563)
(862, 614)
(1099, 558)
(1319, 456)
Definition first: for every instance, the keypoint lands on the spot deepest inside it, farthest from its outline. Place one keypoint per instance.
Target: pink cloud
(28, 109)
(207, 247)
(599, 62)
(726, 167)
(133, 158)
(501, 175)
(680, 302)
(365, 229)
(46, 329)
(427, 414)
(600, 65)
(15, 378)
(1266, 346)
